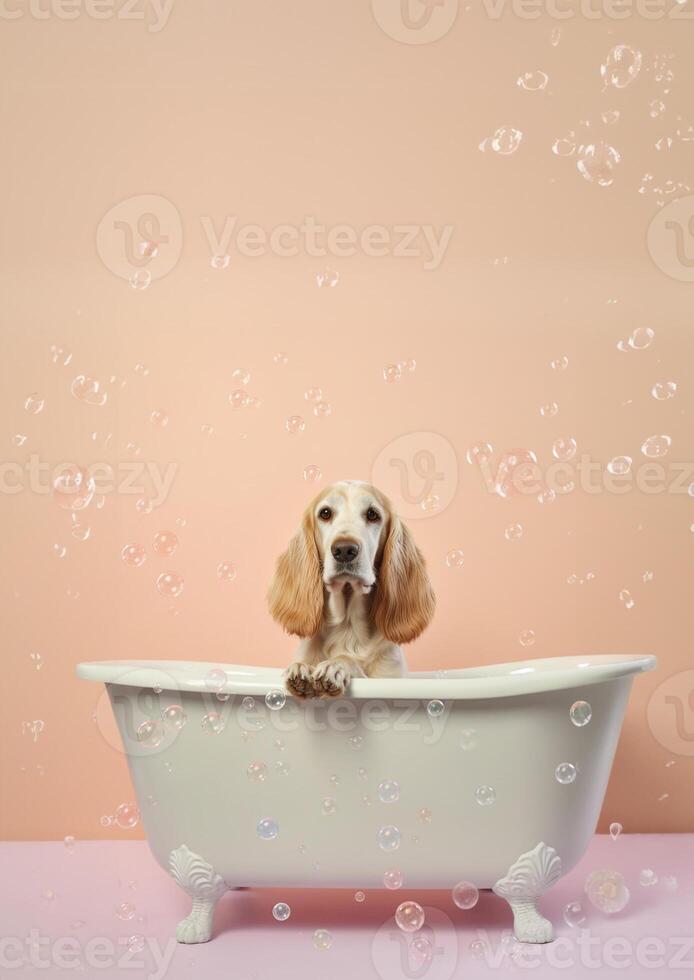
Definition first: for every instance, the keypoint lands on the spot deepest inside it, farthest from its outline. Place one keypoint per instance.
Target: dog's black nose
(344, 550)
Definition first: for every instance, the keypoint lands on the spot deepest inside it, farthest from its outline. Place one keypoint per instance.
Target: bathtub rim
(508, 679)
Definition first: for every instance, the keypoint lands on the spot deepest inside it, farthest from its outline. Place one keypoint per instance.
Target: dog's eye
(325, 513)
(372, 515)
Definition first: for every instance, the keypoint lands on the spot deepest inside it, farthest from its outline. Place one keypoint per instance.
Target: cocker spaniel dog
(353, 585)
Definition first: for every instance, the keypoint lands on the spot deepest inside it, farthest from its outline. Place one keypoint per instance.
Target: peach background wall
(277, 113)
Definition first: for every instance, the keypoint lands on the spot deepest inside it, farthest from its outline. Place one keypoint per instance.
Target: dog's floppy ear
(295, 596)
(404, 600)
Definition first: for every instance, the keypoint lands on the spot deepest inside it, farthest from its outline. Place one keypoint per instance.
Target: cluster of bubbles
(395, 372)
(504, 142)
(239, 396)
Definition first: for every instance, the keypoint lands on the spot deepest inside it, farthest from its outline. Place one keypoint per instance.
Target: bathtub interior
(320, 772)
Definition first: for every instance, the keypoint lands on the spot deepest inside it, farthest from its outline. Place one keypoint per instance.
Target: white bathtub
(478, 797)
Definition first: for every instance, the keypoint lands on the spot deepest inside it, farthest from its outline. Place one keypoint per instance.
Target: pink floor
(48, 894)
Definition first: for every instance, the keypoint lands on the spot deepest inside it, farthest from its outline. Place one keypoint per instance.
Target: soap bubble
(88, 390)
(267, 829)
(322, 409)
(126, 911)
(275, 700)
(479, 453)
(212, 723)
(165, 543)
(134, 555)
(564, 147)
(256, 772)
(136, 943)
(564, 449)
(621, 66)
(506, 140)
(409, 916)
(526, 638)
(388, 791)
(513, 532)
(641, 338)
(596, 163)
(170, 585)
(468, 739)
(549, 410)
(241, 376)
(455, 558)
(175, 716)
(248, 703)
(515, 468)
(329, 806)
(626, 597)
(392, 879)
(430, 503)
(465, 895)
(607, 891)
(226, 571)
(574, 915)
(281, 767)
(421, 951)
(388, 838)
(663, 390)
(73, 488)
(328, 278)
(560, 363)
(565, 773)
(33, 404)
(159, 418)
(392, 373)
(150, 734)
(60, 355)
(312, 473)
(140, 279)
(127, 815)
(239, 398)
(615, 830)
(144, 505)
(313, 395)
(656, 446)
(669, 883)
(435, 708)
(294, 424)
(281, 911)
(580, 713)
(619, 465)
(215, 679)
(424, 814)
(647, 878)
(322, 939)
(478, 948)
(220, 261)
(69, 843)
(485, 795)
(359, 897)
(532, 81)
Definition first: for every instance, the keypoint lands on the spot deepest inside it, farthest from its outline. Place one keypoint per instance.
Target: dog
(353, 585)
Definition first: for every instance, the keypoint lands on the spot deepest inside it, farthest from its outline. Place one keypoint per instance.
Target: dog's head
(351, 538)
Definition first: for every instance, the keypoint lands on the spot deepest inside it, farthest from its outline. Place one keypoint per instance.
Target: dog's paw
(330, 679)
(298, 679)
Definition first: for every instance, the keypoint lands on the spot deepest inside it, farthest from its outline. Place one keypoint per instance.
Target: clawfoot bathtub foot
(199, 880)
(196, 927)
(528, 878)
(528, 925)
